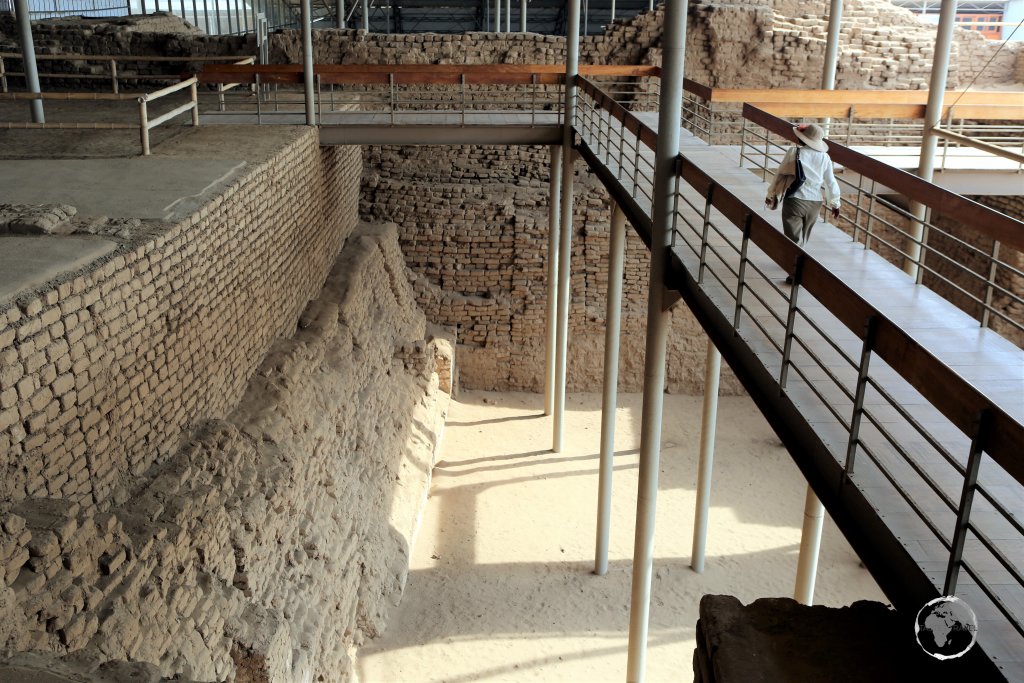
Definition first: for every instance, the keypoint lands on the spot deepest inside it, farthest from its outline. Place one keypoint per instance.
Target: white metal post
(307, 61)
(812, 506)
(810, 543)
(497, 16)
(932, 118)
(613, 325)
(613, 11)
(554, 209)
(508, 16)
(835, 18)
(712, 375)
(522, 16)
(366, 15)
(28, 55)
(572, 62)
(669, 113)
(340, 11)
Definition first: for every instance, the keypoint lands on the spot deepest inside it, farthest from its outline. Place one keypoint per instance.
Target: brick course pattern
(103, 371)
(275, 539)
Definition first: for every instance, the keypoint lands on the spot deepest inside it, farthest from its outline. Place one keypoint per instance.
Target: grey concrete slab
(166, 188)
(30, 261)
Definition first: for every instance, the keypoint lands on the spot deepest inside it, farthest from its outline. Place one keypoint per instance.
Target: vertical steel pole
(669, 112)
(572, 62)
(932, 118)
(339, 10)
(551, 342)
(828, 74)
(814, 511)
(522, 16)
(508, 16)
(366, 15)
(307, 61)
(712, 374)
(497, 16)
(613, 11)
(613, 325)
(28, 55)
(810, 543)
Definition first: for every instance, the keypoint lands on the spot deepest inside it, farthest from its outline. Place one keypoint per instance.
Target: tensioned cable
(994, 54)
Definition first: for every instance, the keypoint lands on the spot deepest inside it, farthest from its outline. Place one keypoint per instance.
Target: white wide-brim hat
(811, 135)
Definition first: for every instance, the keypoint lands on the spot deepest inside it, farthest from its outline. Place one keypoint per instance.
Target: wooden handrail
(436, 74)
(792, 95)
(982, 219)
(863, 112)
(126, 58)
(958, 400)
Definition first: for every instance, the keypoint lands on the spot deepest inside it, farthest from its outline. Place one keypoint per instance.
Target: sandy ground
(500, 586)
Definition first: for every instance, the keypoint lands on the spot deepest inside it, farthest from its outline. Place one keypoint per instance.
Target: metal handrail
(114, 75)
(988, 428)
(976, 286)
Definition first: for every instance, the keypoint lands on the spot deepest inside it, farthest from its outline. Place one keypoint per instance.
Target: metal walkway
(888, 464)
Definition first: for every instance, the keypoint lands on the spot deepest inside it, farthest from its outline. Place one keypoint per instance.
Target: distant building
(995, 19)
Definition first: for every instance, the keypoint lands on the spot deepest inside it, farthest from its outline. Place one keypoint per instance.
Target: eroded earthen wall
(224, 475)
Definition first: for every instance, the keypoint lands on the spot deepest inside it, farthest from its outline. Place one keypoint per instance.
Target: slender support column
(366, 15)
(613, 325)
(613, 11)
(669, 113)
(307, 61)
(508, 16)
(497, 16)
(932, 118)
(522, 16)
(340, 11)
(28, 55)
(828, 74)
(572, 63)
(712, 374)
(814, 512)
(810, 543)
(650, 5)
(835, 18)
(551, 340)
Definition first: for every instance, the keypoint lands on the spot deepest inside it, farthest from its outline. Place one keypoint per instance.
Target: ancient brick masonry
(277, 537)
(102, 371)
(473, 227)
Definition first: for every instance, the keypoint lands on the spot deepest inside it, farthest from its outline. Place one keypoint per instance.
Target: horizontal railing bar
(978, 144)
(154, 122)
(127, 58)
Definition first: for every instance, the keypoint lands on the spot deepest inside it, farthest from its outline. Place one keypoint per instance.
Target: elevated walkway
(880, 453)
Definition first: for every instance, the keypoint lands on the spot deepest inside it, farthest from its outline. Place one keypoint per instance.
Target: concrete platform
(165, 188)
(30, 261)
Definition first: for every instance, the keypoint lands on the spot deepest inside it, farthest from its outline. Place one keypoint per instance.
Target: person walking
(801, 200)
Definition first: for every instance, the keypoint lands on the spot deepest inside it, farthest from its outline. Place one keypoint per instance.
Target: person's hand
(835, 212)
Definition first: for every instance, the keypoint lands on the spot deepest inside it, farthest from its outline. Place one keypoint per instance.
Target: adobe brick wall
(473, 226)
(276, 538)
(102, 371)
(975, 258)
(204, 469)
